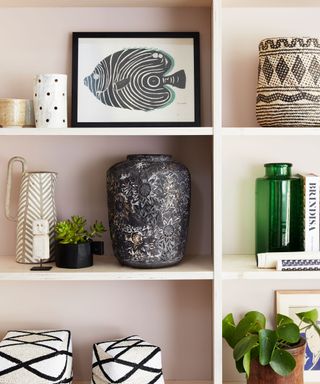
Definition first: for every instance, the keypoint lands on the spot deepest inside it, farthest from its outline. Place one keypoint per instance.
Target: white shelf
(244, 267)
(108, 268)
(259, 131)
(105, 3)
(167, 382)
(270, 3)
(132, 131)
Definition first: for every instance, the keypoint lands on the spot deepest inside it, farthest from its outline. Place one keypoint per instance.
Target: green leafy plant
(74, 231)
(250, 339)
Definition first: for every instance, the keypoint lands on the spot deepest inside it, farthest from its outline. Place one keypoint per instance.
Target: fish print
(136, 79)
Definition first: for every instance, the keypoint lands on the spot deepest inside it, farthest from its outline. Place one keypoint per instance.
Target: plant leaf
(282, 319)
(255, 352)
(239, 366)
(251, 323)
(317, 328)
(267, 342)
(228, 329)
(244, 346)
(289, 333)
(282, 362)
(246, 362)
(308, 317)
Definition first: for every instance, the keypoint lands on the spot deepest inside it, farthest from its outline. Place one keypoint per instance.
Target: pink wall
(175, 315)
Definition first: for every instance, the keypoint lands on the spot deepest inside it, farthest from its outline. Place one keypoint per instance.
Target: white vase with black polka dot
(50, 100)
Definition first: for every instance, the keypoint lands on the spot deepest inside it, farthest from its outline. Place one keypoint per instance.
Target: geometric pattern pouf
(36, 357)
(130, 360)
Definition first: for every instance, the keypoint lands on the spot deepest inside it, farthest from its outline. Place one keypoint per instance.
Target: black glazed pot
(149, 207)
(74, 255)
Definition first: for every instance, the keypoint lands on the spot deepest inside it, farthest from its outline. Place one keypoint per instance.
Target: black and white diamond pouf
(130, 360)
(36, 357)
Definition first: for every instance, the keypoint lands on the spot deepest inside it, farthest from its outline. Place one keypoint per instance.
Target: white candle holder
(50, 100)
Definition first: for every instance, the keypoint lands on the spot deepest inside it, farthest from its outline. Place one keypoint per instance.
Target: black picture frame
(89, 111)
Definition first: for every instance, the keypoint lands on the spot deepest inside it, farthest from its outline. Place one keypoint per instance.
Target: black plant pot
(74, 255)
(149, 206)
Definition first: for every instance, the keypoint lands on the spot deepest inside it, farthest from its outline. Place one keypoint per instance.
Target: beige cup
(16, 113)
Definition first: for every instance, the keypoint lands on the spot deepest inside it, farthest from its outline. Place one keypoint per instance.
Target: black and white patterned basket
(288, 91)
(36, 357)
(128, 361)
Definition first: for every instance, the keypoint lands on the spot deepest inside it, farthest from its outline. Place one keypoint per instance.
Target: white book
(311, 212)
(270, 259)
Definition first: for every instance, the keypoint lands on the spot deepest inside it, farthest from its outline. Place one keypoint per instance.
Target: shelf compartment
(243, 267)
(108, 268)
(244, 25)
(139, 131)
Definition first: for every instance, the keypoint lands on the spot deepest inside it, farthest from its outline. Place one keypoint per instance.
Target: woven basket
(288, 91)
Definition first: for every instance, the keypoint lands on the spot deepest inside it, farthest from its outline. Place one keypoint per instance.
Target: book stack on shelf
(309, 258)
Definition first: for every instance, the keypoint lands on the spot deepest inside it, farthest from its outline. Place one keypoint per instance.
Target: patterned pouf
(36, 357)
(130, 360)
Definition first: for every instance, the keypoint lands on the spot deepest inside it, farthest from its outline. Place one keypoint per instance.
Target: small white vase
(50, 100)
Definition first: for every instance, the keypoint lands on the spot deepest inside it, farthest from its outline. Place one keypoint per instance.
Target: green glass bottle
(279, 210)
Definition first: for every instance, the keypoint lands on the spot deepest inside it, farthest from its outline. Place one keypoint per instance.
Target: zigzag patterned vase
(288, 91)
(36, 201)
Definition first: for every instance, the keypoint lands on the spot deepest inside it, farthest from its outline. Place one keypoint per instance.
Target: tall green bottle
(279, 210)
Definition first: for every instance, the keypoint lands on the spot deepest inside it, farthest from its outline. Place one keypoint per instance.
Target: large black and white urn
(149, 207)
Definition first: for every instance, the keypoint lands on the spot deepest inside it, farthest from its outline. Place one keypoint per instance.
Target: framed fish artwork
(135, 79)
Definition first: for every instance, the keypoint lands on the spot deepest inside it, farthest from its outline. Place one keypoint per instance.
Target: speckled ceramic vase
(149, 207)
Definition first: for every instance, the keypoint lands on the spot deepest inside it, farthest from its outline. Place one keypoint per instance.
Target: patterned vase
(288, 91)
(149, 206)
(50, 100)
(36, 201)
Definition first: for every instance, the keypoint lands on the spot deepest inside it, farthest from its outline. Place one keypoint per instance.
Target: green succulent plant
(250, 339)
(74, 231)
